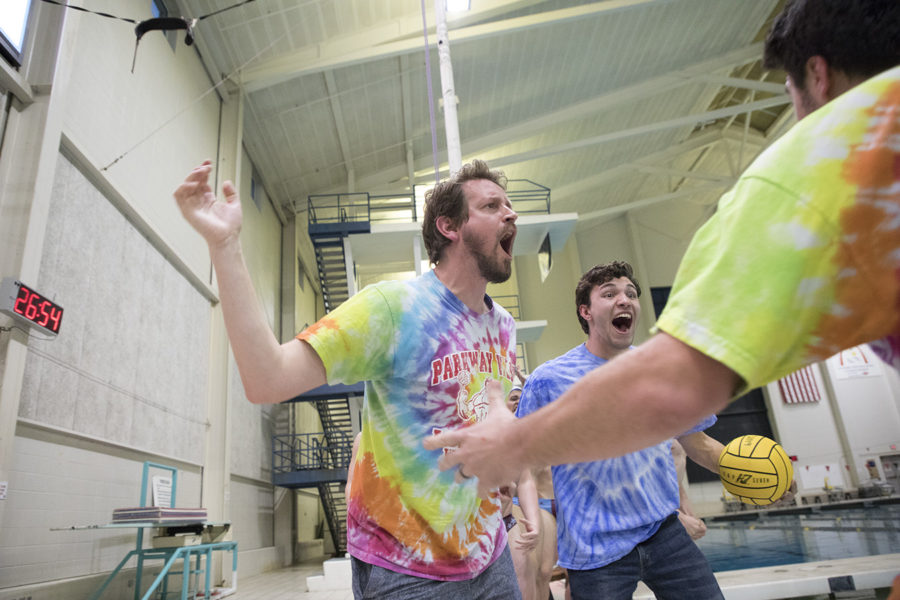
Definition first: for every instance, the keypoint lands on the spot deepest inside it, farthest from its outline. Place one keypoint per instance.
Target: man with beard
(422, 347)
(617, 518)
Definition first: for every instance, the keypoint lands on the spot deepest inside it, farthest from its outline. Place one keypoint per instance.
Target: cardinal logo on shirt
(472, 408)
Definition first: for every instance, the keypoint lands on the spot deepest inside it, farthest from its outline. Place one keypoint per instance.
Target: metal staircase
(321, 460)
(330, 262)
(332, 218)
(334, 501)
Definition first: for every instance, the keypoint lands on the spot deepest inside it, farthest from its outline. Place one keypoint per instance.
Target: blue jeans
(497, 582)
(670, 563)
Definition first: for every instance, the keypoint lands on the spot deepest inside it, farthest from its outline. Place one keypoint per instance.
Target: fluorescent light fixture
(458, 5)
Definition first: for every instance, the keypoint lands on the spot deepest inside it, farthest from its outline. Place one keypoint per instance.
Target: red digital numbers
(22, 300)
(38, 309)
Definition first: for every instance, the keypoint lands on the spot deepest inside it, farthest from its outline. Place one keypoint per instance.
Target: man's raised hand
(217, 221)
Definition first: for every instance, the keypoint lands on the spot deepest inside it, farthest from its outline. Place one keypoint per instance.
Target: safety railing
(511, 304)
(526, 196)
(304, 451)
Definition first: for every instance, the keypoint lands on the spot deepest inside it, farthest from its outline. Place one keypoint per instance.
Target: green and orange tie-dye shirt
(802, 258)
(425, 358)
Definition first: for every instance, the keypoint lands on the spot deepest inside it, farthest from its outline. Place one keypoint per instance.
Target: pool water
(807, 534)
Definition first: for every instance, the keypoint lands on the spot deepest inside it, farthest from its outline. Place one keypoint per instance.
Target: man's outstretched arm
(703, 450)
(270, 372)
(643, 397)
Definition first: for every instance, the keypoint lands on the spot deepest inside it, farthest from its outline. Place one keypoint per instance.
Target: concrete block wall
(55, 485)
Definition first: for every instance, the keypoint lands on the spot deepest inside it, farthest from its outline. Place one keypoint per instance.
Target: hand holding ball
(755, 469)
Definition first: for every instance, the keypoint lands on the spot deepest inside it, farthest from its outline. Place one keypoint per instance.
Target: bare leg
(546, 555)
(525, 563)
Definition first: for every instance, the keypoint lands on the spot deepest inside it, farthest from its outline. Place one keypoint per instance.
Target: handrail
(303, 451)
(526, 196)
(511, 303)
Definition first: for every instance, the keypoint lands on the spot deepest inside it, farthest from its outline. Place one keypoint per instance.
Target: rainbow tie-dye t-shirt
(802, 258)
(425, 357)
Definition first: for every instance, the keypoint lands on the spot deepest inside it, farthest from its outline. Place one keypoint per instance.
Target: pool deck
(306, 582)
(803, 579)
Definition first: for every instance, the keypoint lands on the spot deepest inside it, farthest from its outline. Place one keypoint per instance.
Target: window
(255, 191)
(159, 9)
(13, 19)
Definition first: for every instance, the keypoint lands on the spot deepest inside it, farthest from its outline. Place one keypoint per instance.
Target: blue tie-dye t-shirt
(605, 507)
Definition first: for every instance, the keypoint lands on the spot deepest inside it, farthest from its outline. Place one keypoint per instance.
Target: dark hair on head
(598, 276)
(859, 37)
(446, 199)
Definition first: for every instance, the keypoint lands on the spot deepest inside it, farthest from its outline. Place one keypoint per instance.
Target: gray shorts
(497, 582)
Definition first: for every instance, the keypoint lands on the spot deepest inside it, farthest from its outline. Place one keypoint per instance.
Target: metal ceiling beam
(340, 126)
(525, 129)
(645, 202)
(588, 184)
(391, 40)
(656, 170)
(631, 93)
(684, 121)
(406, 99)
(737, 82)
(780, 123)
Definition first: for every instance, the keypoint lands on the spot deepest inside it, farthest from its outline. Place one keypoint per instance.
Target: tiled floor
(286, 584)
(786, 581)
(290, 584)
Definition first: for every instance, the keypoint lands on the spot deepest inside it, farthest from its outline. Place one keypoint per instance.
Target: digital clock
(25, 304)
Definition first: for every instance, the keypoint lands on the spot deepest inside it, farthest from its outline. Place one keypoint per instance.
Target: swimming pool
(803, 534)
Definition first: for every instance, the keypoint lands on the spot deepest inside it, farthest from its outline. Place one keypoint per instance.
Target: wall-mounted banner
(799, 386)
(858, 361)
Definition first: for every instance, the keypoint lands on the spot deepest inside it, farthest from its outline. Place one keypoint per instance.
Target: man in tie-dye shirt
(801, 260)
(427, 349)
(617, 520)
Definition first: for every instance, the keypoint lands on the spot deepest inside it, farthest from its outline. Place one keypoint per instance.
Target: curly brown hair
(599, 275)
(858, 37)
(446, 199)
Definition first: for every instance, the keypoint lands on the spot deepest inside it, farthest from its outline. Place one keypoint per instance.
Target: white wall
(553, 300)
(866, 409)
(111, 111)
(91, 412)
(59, 482)
(252, 513)
(857, 420)
(809, 432)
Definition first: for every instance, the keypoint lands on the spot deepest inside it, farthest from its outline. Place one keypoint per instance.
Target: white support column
(417, 253)
(640, 273)
(451, 123)
(746, 131)
(27, 170)
(348, 265)
(840, 425)
(216, 483)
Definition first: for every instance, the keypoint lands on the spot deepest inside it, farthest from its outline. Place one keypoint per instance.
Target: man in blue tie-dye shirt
(617, 518)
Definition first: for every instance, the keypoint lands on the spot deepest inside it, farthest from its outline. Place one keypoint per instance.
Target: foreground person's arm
(643, 397)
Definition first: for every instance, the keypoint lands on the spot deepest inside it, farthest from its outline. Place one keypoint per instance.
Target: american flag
(799, 386)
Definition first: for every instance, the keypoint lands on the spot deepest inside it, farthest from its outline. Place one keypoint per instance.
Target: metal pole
(451, 124)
